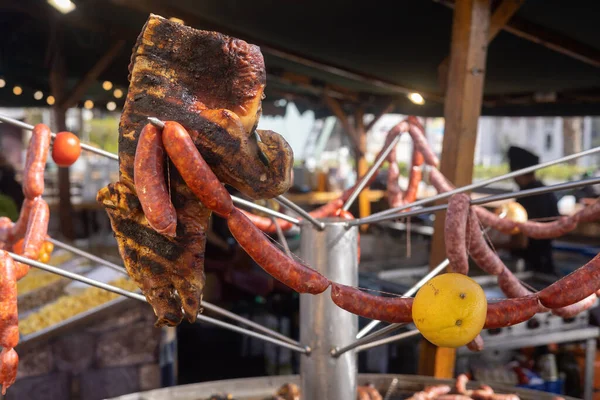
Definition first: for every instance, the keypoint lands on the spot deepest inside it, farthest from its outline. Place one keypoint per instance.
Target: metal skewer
(115, 157)
(87, 147)
(209, 306)
(365, 179)
(303, 213)
(482, 200)
(137, 296)
(282, 238)
(336, 352)
(441, 196)
(387, 340)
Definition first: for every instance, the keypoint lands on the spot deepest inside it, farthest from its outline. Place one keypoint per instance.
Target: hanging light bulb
(107, 85)
(88, 104)
(2, 83)
(416, 98)
(118, 93)
(17, 90)
(38, 95)
(50, 100)
(111, 106)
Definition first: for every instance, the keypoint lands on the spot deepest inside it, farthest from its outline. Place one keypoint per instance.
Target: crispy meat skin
(213, 85)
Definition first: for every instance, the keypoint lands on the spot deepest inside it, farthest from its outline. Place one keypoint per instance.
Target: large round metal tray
(263, 387)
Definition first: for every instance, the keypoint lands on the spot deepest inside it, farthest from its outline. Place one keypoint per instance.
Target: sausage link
(510, 285)
(590, 213)
(6, 226)
(194, 170)
(20, 227)
(414, 177)
(387, 309)
(453, 397)
(508, 312)
(417, 134)
(487, 259)
(504, 225)
(476, 344)
(461, 384)
(574, 287)
(35, 161)
(37, 229)
(455, 233)
(9, 316)
(439, 181)
(9, 364)
(438, 390)
(548, 230)
(150, 184)
(574, 309)
(296, 275)
(367, 393)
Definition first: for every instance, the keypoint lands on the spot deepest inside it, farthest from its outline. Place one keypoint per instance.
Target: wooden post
(462, 109)
(364, 204)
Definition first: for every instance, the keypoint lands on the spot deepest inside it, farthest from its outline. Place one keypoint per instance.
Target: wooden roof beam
(552, 40)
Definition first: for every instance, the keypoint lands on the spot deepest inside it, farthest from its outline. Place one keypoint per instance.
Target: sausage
(6, 226)
(574, 287)
(292, 273)
(367, 393)
(387, 309)
(37, 229)
(548, 230)
(461, 384)
(439, 181)
(504, 225)
(414, 178)
(487, 259)
(394, 193)
(572, 310)
(9, 364)
(453, 397)
(476, 344)
(35, 161)
(194, 170)
(9, 316)
(455, 229)
(417, 134)
(19, 228)
(431, 392)
(150, 184)
(508, 312)
(589, 214)
(510, 285)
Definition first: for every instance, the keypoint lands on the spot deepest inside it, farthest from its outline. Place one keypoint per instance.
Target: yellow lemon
(450, 310)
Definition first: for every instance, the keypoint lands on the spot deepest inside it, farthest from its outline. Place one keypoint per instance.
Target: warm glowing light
(50, 100)
(64, 6)
(107, 85)
(88, 104)
(2, 83)
(38, 95)
(118, 93)
(111, 106)
(416, 98)
(177, 20)
(17, 90)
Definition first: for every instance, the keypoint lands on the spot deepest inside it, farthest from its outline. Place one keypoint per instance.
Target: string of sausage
(442, 392)
(32, 227)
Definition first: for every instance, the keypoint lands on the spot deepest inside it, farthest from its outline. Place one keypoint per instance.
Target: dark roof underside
(379, 39)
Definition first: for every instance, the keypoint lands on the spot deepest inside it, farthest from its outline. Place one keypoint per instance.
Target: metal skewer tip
(156, 122)
(300, 211)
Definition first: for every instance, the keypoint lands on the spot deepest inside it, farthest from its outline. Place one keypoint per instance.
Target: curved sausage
(9, 316)
(574, 287)
(574, 309)
(510, 285)
(589, 213)
(294, 274)
(455, 233)
(487, 259)
(414, 177)
(476, 344)
(19, 228)
(150, 184)
(508, 312)
(439, 181)
(194, 170)
(387, 309)
(417, 134)
(37, 229)
(9, 363)
(35, 161)
(6, 226)
(487, 218)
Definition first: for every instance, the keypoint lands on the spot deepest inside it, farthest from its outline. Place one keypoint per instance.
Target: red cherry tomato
(66, 149)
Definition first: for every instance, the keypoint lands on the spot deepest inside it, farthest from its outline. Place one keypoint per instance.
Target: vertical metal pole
(590, 358)
(323, 325)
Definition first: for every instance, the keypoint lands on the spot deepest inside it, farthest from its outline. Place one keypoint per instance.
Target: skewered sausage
(150, 184)
(9, 363)
(9, 318)
(509, 312)
(455, 233)
(196, 173)
(572, 310)
(487, 259)
(387, 309)
(37, 229)
(574, 287)
(476, 344)
(417, 133)
(294, 274)
(35, 161)
(415, 176)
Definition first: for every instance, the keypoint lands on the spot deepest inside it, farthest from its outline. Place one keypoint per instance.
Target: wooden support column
(462, 109)
(364, 204)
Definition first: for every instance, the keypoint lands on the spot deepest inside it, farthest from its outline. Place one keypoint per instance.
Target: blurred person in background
(11, 191)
